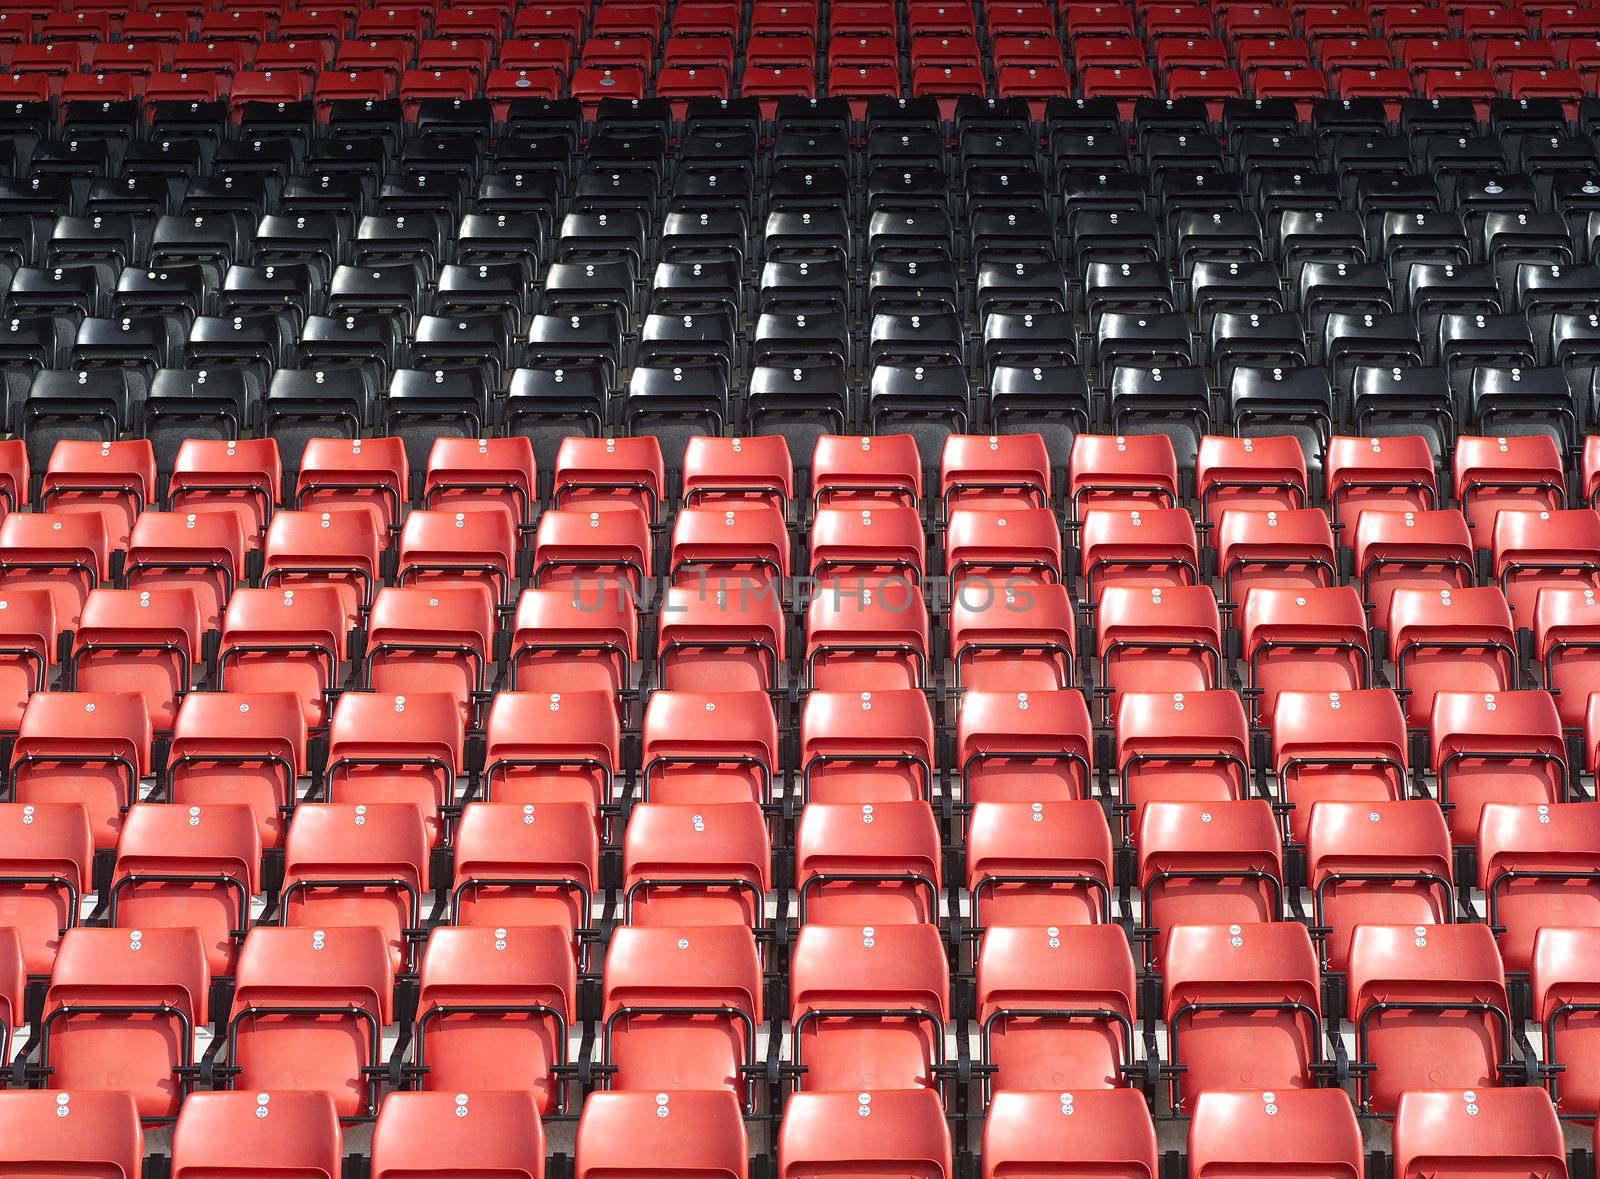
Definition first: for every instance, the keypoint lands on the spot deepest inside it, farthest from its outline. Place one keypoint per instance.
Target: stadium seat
(1449, 640)
(1055, 1008)
(188, 867)
(543, 747)
(239, 748)
(88, 748)
(309, 1009)
(493, 1009)
(1537, 868)
(1296, 1132)
(1100, 1129)
(1477, 1129)
(1179, 746)
(1495, 747)
(681, 1007)
(98, 1134)
(1302, 639)
(868, 1007)
(708, 747)
(866, 747)
(1444, 987)
(470, 1134)
(1242, 1006)
(356, 865)
(900, 1129)
(626, 1133)
(696, 865)
(121, 1010)
(1337, 746)
(46, 853)
(257, 1134)
(1206, 863)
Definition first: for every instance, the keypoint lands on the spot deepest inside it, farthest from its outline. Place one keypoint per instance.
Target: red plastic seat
(1494, 747)
(1029, 979)
(46, 854)
(1566, 643)
(493, 1010)
(695, 865)
(1291, 549)
(1516, 473)
(867, 864)
(866, 747)
(1179, 746)
(1137, 547)
(863, 472)
(1024, 746)
(1390, 474)
(1002, 549)
(1123, 473)
(707, 747)
(402, 749)
(1087, 1132)
(731, 471)
(121, 1012)
(431, 640)
(1243, 1006)
(356, 865)
(1019, 638)
(1538, 866)
(901, 1132)
(1157, 639)
(256, 1134)
(239, 748)
(112, 480)
(1429, 1006)
(1126, 85)
(732, 638)
(564, 642)
(680, 1008)
(526, 864)
(1478, 1132)
(870, 639)
(477, 1135)
(83, 747)
(1536, 550)
(1295, 1133)
(89, 1133)
(998, 472)
(1308, 639)
(1449, 640)
(856, 547)
(468, 548)
(143, 643)
(1376, 863)
(1564, 987)
(715, 548)
(1038, 863)
(593, 553)
(552, 747)
(1410, 550)
(28, 640)
(188, 867)
(309, 1009)
(474, 474)
(68, 555)
(900, 975)
(286, 641)
(1257, 473)
(628, 1134)
(1337, 747)
(597, 474)
(338, 548)
(1207, 863)
(202, 552)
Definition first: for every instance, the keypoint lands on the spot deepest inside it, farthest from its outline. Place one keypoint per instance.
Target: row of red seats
(592, 83)
(639, 1134)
